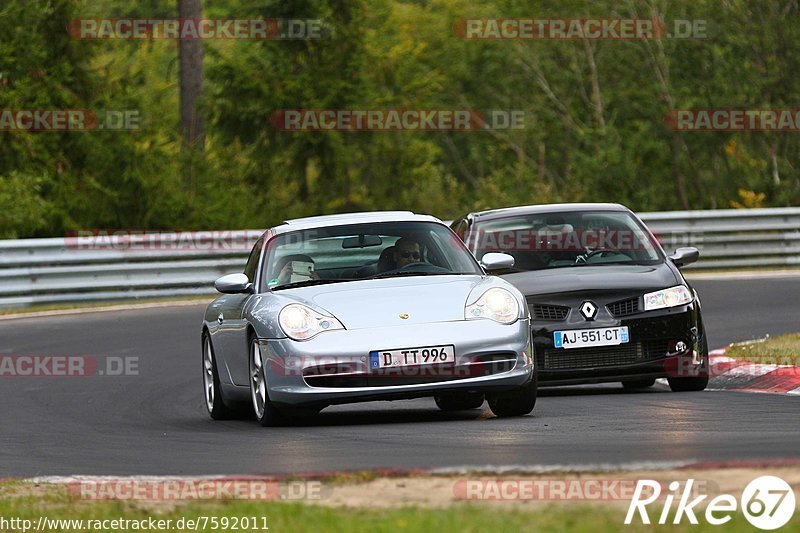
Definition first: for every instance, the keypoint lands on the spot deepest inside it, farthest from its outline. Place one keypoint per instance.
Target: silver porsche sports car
(366, 306)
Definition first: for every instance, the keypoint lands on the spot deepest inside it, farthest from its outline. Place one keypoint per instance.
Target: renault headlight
(671, 297)
(300, 322)
(495, 304)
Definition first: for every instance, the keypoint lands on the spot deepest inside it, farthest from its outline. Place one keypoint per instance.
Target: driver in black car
(406, 251)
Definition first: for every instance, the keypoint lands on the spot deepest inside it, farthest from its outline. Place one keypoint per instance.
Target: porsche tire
(459, 401)
(638, 384)
(516, 403)
(265, 412)
(215, 405)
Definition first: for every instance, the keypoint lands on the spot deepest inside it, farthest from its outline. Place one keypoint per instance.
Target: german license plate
(581, 338)
(412, 356)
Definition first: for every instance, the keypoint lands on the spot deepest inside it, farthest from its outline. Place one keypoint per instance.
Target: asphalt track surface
(155, 423)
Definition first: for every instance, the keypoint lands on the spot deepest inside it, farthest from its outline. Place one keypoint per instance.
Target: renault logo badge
(404, 316)
(588, 310)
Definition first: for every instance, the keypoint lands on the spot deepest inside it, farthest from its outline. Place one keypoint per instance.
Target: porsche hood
(396, 302)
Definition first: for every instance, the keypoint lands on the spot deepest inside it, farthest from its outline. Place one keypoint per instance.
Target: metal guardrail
(732, 238)
(79, 269)
(118, 267)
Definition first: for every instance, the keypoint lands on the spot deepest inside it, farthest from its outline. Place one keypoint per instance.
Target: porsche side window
(252, 261)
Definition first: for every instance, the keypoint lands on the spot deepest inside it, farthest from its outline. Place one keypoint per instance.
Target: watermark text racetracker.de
(53, 120)
(622, 240)
(570, 239)
(397, 119)
(250, 29)
(183, 489)
(622, 29)
(379, 366)
(135, 240)
(58, 366)
(718, 119)
(529, 489)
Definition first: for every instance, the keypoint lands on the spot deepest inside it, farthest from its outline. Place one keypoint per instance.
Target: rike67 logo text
(767, 502)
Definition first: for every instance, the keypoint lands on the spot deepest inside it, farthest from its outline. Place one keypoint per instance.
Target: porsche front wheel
(266, 413)
(213, 392)
(517, 403)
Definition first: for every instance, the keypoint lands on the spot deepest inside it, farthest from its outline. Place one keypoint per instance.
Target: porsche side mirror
(685, 256)
(496, 261)
(233, 284)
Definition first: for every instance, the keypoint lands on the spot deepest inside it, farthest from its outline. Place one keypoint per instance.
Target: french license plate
(580, 338)
(412, 356)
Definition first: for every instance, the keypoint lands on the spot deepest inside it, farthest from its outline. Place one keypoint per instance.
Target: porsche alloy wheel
(266, 413)
(212, 390)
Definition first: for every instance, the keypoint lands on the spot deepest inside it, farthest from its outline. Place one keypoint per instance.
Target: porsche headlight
(671, 297)
(495, 304)
(301, 323)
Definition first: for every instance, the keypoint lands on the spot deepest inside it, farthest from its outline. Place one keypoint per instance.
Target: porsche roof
(352, 218)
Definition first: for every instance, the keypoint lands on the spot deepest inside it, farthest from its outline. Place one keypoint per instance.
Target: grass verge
(26, 507)
(782, 350)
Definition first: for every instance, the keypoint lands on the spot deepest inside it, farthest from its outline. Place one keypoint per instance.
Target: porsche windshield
(363, 251)
(567, 239)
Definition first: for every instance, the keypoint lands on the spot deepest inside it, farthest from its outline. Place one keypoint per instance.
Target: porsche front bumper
(334, 367)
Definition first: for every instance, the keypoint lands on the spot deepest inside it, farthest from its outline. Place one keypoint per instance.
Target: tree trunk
(190, 51)
(677, 173)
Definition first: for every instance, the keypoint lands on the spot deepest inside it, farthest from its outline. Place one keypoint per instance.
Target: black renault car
(607, 304)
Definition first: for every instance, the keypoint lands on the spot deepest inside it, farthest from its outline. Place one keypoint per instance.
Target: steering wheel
(599, 251)
(423, 266)
(414, 266)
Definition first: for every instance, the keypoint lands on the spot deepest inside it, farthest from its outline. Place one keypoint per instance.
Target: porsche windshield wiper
(398, 274)
(310, 283)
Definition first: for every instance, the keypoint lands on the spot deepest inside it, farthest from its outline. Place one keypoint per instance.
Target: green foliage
(594, 114)
(24, 209)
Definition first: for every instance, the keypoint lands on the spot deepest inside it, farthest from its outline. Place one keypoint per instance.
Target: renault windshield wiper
(601, 263)
(581, 265)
